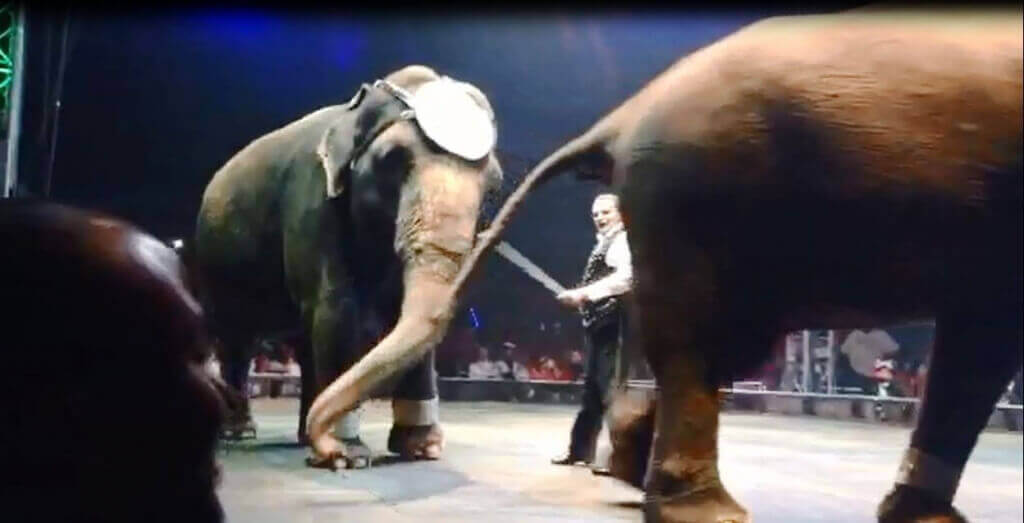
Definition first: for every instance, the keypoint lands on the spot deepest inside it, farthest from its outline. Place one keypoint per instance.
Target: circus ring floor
(495, 469)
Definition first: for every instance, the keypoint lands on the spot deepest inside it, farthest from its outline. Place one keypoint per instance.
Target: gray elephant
(346, 223)
(826, 171)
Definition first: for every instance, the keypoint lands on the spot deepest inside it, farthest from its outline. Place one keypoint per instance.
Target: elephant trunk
(423, 322)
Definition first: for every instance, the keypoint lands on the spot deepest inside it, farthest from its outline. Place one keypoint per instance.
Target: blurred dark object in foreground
(106, 413)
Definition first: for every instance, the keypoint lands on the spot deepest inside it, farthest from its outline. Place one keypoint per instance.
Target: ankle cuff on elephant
(414, 413)
(348, 426)
(928, 473)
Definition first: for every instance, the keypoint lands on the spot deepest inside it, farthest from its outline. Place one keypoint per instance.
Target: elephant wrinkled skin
(350, 222)
(820, 171)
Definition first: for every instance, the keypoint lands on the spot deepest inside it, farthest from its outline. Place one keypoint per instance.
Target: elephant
(106, 401)
(821, 171)
(344, 224)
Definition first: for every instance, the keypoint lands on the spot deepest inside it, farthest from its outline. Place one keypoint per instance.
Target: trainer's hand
(572, 298)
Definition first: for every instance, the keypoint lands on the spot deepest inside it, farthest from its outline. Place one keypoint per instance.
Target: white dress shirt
(619, 259)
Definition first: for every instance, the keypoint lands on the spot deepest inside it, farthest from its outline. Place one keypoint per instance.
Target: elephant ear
(369, 112)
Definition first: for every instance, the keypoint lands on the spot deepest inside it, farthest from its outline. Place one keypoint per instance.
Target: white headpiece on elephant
(451, 114)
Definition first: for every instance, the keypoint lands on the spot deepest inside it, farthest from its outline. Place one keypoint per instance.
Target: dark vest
(600, 312)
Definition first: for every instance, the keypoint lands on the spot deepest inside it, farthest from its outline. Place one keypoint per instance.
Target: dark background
(153, 102)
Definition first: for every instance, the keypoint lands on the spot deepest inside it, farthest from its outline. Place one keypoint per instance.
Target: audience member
(483, 368)
(291, 366)
(509, 366)
(547, 369)
(576, 366)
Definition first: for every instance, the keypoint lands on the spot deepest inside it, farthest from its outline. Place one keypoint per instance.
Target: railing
(742, 396)
(273, 384)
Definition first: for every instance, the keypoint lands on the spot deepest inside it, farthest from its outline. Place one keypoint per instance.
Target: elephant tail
(588, 153)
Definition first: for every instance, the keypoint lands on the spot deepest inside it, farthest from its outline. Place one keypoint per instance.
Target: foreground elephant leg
(416, 430)
(682, 482)
(970, 368)
(631, 431)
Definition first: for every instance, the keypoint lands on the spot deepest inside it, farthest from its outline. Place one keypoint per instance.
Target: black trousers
(603, 347)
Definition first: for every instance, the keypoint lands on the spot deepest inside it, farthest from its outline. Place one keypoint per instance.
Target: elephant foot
(333, 456)
(416, 442)
(631, 431)
(711, 505)
(239, 428)
(359, 455)
(905, 504)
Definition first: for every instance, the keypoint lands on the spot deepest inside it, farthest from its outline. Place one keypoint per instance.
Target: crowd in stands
(866, 362)
(511, 366)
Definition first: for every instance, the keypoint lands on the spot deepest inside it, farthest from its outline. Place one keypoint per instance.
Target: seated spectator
(291, 366)
(107, 412)
(259, 363)
(276, 366)
(558, 373)
(509, 366)
(483, 368)
(547, 369)
(576, 365)
(883, 376)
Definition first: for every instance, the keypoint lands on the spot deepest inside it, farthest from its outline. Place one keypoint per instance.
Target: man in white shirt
(607, 276)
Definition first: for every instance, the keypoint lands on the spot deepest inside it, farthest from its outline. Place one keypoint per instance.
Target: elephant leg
(304, 355)
(235, 372)
(334, 340)
(347, 427)
(631, 431)
(682, 482)
(416, 430)
(974, 358)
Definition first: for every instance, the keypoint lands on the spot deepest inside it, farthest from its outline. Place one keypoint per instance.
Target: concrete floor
(495, 469)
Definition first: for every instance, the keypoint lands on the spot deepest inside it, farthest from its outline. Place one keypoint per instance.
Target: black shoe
(600, 471)
(568, 459)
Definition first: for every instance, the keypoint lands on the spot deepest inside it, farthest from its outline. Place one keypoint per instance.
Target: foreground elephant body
(818, 172)
(340, 223)
(107, 414)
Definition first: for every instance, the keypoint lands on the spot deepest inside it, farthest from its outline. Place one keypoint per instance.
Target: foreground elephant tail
(588, 153)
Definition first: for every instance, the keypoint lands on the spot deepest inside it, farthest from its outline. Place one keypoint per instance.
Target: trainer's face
(606, 214)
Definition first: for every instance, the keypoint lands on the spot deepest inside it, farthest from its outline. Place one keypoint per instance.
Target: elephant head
(426, 142)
